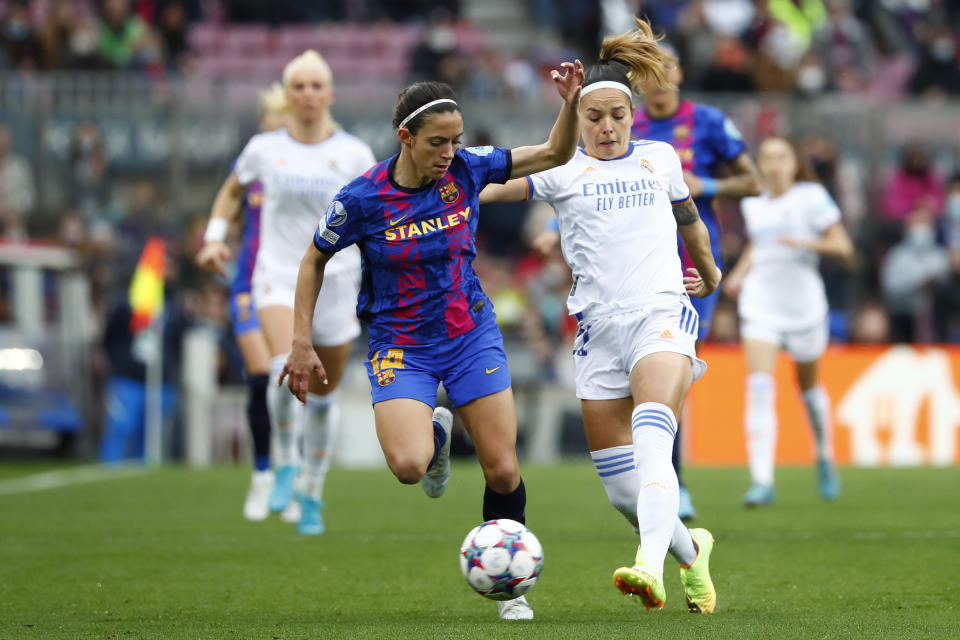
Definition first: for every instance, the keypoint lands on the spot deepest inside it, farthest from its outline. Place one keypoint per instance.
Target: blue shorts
(705, 308)
(243, 314)
(469, 366)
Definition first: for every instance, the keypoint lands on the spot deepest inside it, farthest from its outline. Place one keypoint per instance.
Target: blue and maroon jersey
(250, 243)
(703, 138)
(418, 247)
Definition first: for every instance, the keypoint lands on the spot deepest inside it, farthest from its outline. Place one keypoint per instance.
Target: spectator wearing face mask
(914, 185)
(938, 73)
(912, 271)
(20, 47)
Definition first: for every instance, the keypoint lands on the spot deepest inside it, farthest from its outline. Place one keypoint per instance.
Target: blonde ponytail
(639, 52)
(273, 99)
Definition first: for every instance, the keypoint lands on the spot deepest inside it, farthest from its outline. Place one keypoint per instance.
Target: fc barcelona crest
(681, 132)
(449, 192)
(385, 377)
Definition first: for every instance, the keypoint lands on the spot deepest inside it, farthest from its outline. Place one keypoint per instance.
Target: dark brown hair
(417, 95)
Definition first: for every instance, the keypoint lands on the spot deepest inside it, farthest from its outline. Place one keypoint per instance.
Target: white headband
(606, 84)
(423, 108)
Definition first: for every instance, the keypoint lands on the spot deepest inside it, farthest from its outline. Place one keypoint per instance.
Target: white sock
(658, 501)
(818, 410)
(619, 475)
(319, 434)
(283, 415)
(761, 427)
(681, 544)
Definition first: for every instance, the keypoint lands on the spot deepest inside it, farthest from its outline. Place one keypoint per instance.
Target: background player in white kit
(619, 205)
(783, 306)
(302, 168)
(246, 325)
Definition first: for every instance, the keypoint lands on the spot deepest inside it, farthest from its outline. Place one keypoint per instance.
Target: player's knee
(503, 475)
(407, 469)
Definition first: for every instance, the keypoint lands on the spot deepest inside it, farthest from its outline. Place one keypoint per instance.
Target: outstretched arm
(744, 182)
(303, 360)
(705, 277)
(515, 190)
(562, 143)
(835, 242)
(226, 206)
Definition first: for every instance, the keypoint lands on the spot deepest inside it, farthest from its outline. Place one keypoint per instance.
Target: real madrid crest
(450, 192)
(646, 166)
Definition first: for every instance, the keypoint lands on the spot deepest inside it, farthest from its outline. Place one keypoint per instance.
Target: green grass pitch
(166, 554)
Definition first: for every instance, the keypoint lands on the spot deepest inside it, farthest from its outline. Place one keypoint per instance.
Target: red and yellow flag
(146, 289)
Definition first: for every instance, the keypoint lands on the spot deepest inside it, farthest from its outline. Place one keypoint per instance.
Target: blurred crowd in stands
(806, 47)
(903, 286)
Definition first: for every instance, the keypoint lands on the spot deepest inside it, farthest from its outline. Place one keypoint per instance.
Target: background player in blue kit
(705, 139)
(414, 217)
(246, 325)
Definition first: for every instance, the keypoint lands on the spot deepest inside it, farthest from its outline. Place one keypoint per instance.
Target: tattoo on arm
(686, 213)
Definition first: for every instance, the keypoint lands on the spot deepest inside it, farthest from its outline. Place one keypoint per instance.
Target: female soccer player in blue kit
(414, 217)
(705, 140)
(246, 325)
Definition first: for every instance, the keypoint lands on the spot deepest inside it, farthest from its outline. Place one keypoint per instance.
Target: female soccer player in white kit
(783, 306)
(302, 168)
(619, 205)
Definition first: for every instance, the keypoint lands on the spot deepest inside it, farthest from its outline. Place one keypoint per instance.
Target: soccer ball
(501, 559)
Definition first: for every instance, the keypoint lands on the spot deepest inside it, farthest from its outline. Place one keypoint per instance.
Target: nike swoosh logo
(489, 371)
(394, 223)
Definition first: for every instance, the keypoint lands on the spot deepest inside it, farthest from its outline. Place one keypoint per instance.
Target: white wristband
(216, 230)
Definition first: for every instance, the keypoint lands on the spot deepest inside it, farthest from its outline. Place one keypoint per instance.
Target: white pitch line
(65, 478)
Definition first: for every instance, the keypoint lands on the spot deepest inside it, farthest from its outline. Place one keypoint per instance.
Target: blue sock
(439, 439)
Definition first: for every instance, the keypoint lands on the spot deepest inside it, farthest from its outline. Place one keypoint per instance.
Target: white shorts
(335, 316)
(607, 347)
(803, 345)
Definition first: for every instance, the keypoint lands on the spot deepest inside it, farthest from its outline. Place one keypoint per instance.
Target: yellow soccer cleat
(641, 580)
(697, 585)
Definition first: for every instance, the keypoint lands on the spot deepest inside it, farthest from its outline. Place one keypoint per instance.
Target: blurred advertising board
(893, 405)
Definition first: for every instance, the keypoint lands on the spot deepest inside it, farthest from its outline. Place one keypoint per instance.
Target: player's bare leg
(491, 422)
(405, 431)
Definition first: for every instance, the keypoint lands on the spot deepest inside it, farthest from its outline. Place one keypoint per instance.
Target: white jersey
(617, 230)
(299, 182)
(783, 289)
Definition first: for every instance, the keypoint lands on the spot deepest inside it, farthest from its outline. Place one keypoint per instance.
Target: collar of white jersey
(626, 154)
